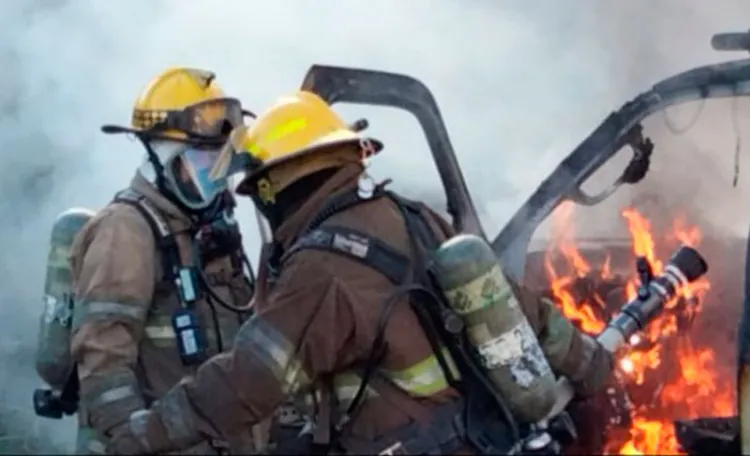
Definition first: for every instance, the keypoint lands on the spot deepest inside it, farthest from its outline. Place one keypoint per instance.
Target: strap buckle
(396, 448)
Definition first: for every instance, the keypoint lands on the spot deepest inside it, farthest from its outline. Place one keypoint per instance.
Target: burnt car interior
(644, 181)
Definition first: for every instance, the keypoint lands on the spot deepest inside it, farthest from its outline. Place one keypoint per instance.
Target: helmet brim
(330, 140)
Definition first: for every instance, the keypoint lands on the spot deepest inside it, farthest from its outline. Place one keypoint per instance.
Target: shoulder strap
(423, 240)
(351, 243)
(165, 240)
(341, 203)
(416, 220)
(358, 246)
(332, 206)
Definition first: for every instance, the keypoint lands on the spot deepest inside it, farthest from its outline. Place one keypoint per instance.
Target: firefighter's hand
(142, 434)
(597, 373)
(123, 441)
(219, 239)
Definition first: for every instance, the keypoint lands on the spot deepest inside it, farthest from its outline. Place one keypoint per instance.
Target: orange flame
(687, 385)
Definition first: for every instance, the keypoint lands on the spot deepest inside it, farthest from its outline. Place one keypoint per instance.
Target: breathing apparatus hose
(211, 293)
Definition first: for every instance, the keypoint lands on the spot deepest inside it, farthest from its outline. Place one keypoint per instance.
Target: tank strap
(423, 240)
(416, 280)
(332, 206)
(165, 240)
(356, 245)
(391, 263)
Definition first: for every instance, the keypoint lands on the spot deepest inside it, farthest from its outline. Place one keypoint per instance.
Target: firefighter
(335, 265)
(159, 274)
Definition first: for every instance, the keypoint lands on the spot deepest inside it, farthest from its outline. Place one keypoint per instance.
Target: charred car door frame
(380, 88)
(729, 79)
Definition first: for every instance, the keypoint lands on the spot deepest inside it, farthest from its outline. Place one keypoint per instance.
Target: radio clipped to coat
(469, 275)
(191, 339)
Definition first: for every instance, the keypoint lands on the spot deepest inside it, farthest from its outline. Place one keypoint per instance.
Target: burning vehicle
(593, 237)
(664, 180)
(676, 385)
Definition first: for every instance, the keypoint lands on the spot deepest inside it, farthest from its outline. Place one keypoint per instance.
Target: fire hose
(684, 267)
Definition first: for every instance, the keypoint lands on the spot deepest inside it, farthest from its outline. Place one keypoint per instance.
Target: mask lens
(191, 170)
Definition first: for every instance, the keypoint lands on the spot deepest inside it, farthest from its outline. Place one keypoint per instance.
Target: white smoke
(519, 84)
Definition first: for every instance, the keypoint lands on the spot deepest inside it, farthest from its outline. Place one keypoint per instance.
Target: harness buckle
(396, 448)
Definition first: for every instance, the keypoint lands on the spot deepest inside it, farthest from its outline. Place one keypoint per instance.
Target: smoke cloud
(519, 85)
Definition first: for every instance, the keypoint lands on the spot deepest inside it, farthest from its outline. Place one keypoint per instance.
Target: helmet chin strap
(152, 168)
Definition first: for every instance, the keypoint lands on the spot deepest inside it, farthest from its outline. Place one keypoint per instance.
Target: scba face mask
(186, 169)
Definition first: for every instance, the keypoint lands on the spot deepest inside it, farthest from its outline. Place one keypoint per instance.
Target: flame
(682, 376)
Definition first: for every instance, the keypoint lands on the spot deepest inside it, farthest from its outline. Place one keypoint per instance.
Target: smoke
(519, 85)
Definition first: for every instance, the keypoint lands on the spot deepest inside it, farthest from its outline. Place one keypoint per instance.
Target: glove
(597, 373)
(219, 239)
(142, 434)
(123, 441)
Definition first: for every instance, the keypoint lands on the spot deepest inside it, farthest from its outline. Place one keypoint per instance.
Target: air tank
(53, 361)
(469, 274)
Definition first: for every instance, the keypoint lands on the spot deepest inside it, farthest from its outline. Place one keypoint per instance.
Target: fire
(673, 378)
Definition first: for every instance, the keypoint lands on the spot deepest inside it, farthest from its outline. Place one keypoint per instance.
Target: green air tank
(53, 360)
(468, 273)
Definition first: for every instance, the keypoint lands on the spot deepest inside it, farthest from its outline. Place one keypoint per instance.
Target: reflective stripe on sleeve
(275, 352)
(111, 387)
(86, 310)
(424, 378)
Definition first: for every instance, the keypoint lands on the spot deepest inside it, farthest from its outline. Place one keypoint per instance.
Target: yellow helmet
(294, 138)
(183, 104)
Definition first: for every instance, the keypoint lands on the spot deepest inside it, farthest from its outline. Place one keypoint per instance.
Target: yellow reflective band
(424, 378)
(160, 332)
(277, 133)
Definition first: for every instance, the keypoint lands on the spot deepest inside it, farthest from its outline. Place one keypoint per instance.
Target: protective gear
(468, 273)
(183, 104)
(124, 442)
(219, 238)
(297, 136)
(186, 171)
(182, 118)
(288, 201)
(125, 301)
(319, 306)
(53, 361)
